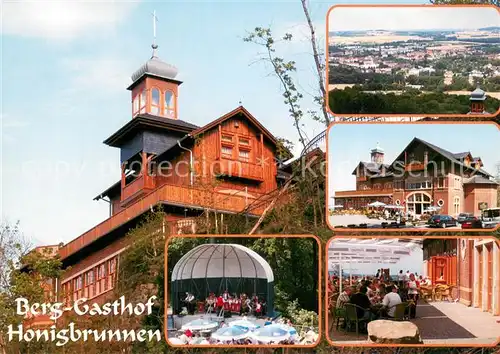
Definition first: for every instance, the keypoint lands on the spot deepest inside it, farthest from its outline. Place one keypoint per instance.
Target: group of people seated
(376, 297)
(229, 303)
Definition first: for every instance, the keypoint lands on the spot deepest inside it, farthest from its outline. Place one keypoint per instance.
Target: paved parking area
(344, 220)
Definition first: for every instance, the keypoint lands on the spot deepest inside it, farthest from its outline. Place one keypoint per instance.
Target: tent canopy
(216, 267)
(368, 251)
(222, 261)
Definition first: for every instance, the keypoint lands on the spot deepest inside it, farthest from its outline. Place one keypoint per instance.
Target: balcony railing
(247, 170)
(364, 193)
(137, 187)
(415, 167)
(184, 195)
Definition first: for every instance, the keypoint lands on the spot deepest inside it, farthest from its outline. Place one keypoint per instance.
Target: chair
(339, 315)
(351, 317)
(400, 313)
(440, 291)
(426, 293)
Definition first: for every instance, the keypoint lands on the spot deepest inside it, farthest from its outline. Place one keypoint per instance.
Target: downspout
(191, 172)
(110, 205)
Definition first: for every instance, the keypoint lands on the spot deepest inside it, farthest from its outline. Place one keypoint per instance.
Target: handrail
(166, 191)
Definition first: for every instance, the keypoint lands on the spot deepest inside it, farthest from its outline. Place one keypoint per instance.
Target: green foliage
(22, 275)
(355, 101)
(300, 317)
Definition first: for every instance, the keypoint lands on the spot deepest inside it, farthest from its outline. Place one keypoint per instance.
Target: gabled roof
(189, 138)
(445, 153)
(479, 180)
(148, 121)
(462, 155)
(372, 167)
(240, 110)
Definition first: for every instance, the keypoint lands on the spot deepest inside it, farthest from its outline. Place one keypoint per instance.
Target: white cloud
(107, 74)
(412, 18)
(7, 123)
(67, 19)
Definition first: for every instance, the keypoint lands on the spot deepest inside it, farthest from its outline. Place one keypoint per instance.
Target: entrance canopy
(217, 267)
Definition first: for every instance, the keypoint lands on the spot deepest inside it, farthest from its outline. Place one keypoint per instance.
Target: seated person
(344, 297)
(390, 300)
(361, 300)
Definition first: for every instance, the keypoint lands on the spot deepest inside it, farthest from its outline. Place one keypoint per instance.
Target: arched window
(155, 101)
(418, 202)
(169, 104)
(142, 102)
(456, 205)
(135, 107)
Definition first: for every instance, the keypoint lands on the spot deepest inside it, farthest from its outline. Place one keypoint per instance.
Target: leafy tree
(23, 274)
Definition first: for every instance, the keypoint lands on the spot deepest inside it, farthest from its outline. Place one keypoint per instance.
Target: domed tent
(216, 267)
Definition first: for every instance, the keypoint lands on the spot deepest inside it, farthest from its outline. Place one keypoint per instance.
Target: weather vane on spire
(154, 45)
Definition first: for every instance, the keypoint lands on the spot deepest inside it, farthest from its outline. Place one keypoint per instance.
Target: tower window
(155, 101)
(135, 108)
(143, 102)
(169, 104)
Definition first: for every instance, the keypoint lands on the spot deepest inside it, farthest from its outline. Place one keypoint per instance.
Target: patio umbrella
(246, 324)
(176, 341)
(272, 333)
(376, 204)
(200, 325)
(230, 333)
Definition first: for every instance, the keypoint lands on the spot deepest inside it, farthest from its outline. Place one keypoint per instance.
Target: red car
(471, 222)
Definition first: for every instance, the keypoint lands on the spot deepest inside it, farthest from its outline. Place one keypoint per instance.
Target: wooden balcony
(136, 189)
(233, 168)
(183, 195)
(364, 193)
(415, 167)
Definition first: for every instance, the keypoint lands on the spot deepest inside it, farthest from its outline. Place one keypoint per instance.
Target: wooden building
(423, 175)
(471, 265)
(227, 165)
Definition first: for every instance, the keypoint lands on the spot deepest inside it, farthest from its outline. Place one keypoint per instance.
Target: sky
(64, 72)
(344, 154)
(412, 18)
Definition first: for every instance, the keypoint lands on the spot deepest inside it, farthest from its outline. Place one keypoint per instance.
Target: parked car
(464, 216)
(443, 221)
(472, 222)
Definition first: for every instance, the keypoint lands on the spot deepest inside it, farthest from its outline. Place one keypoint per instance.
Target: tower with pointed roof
(477, 99)
(377, 155)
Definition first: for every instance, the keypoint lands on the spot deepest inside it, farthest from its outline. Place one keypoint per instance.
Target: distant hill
(493, 28)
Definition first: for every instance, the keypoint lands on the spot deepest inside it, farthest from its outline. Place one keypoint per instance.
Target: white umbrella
(230, 333)
(376, 204)
(200, 325)
(244, 324)
(272, 333)
(176, 341)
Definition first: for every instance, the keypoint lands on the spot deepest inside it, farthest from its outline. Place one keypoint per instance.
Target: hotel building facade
(423, 175)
